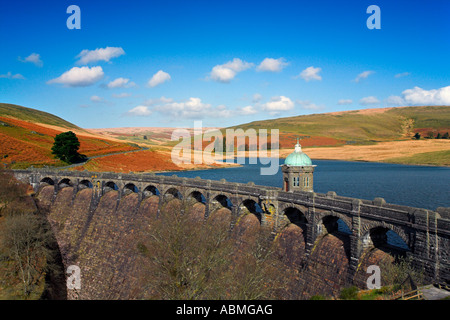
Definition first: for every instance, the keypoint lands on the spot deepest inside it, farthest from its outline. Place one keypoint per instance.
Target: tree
(188, 258)
(430, 135)
(66, 147)
(24, 247)
(438, 136)
(445, 135)
(25, 239)
(417, 136)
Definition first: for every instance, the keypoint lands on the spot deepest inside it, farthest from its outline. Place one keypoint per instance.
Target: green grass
(356, 126)
(436, 158)
(28, 114)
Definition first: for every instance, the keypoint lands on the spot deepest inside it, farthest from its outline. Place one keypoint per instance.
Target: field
(361, 126)
(24, 143)
(382, 135)
(419, 152)
(141, 161)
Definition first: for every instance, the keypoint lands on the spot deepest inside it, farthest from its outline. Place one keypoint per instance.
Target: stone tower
(298, 171)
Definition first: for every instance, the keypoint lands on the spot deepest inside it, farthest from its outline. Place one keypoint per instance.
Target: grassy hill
(33, 115)
(27, 136)
(360, 126)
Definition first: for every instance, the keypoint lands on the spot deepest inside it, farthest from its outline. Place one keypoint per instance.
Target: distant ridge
(373, 124)
(33, 115)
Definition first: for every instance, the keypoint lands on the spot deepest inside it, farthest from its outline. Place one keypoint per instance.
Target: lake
(414, 186)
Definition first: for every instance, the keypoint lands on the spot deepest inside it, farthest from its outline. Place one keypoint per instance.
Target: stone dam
(98, 220)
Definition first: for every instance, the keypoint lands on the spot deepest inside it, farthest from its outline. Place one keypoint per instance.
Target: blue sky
(222, 62)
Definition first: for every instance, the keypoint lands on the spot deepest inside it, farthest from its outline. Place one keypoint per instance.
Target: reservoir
(415, 186)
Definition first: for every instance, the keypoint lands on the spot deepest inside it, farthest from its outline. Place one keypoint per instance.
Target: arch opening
(65, 183)
(385, 239)
(47, 181)
(223, 201)
(295, 216)
(110, 186)
(251, 206)
(197, 196)
(151, 191)
(173, 193)
(333, 225)
(85, 184)
(130, 188)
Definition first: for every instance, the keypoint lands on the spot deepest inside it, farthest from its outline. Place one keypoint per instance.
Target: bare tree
(190, 258)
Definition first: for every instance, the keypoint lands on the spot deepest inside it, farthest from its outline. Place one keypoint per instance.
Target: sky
(170, 63)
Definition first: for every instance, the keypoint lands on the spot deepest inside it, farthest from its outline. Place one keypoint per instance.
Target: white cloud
(158, 78)
(272, 65)
(121, 95)
(226, 72)
(257, 98)
(248, 110)
(139, 111)
(33, 58)
(363, 75)
(120, 83)
(96, 99)
(369, 101)
(403, 74)
(345, 101)
(277, 104)
(192, 108)
(99, 54)
(9, 75)
(79, 77)
(419, 96)
(310, 74)
(310, 105)
(152, 102)
(394, 101)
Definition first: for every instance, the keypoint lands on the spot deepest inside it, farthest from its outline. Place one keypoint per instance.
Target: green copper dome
(298, 158)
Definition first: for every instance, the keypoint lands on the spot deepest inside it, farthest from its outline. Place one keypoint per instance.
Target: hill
(33, 115)
(357, 126)
(27, 135)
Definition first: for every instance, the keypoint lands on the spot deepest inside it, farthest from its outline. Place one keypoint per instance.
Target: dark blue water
(415, 186)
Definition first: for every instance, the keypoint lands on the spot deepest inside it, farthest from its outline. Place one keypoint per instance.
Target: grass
(356, 126)
(437, 158)
(28, 114)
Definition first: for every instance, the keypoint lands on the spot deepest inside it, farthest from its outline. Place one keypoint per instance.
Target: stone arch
(171, 193)
(130, 188)
(151, 190)
(222, 201)
(85, 184)
(292, 236)
(332, 221)
(110, 186)
(196, 195)
(295, 215)
(382, 235)
(47, 181)
(253, 207)
(65, 182)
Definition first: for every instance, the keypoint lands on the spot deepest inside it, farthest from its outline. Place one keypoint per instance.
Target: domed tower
(298, 171)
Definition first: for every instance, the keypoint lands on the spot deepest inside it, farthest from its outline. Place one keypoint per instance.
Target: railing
(410, 295)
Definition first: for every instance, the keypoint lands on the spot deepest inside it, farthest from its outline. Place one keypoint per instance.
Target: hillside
(358, 126)
(33, 115)
(27, 135)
